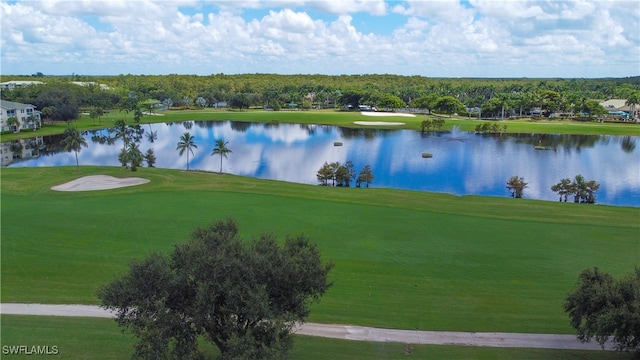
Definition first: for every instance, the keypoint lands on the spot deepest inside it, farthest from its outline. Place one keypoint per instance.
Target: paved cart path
(352, 332)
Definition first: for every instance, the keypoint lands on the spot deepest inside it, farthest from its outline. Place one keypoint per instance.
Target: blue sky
(443, 38)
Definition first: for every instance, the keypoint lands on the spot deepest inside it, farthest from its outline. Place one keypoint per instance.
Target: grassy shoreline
(335, 118)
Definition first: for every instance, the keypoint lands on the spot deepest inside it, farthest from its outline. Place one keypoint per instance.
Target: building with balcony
(26, 115)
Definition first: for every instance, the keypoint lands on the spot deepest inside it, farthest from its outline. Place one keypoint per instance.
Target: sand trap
(379, 123)
(99, 182)
(382, 123)
(379, 113)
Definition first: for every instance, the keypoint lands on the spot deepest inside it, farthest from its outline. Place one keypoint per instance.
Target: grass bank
(335, 118)
(403, 259)
(81, 338)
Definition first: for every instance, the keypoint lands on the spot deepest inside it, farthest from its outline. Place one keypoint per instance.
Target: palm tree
(633, 99)
(222, 150)
(73, 141)
(186, 143)
(134, 156)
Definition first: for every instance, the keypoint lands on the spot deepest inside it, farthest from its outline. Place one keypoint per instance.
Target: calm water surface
(462, 163)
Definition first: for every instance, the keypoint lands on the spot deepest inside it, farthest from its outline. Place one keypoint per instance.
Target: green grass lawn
(403, 259)
(333, 117)
(82, 338)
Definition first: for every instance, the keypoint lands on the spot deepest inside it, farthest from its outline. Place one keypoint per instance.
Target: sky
(442, 38)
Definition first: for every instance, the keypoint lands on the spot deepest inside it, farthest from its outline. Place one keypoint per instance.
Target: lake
(462, 163)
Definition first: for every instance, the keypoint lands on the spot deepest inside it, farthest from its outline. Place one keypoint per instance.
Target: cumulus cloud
(432, 38)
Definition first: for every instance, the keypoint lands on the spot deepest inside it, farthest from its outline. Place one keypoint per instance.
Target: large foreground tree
(606, 308)
(245, 297)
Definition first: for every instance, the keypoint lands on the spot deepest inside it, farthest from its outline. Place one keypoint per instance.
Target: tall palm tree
(186, 143)
(222, 150)
(633, 99)
(73, 141)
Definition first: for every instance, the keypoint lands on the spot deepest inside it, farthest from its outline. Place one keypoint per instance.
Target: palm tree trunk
(77, 163)
(220, 163)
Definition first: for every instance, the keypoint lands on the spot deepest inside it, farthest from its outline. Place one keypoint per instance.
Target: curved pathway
(351, 332)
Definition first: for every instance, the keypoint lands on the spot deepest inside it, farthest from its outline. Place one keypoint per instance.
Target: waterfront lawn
(84, 338)
(403, 259)
(334, 118)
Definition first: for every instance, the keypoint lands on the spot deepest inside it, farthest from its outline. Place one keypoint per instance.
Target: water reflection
(462, 163)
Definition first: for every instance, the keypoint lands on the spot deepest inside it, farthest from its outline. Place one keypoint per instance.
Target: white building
(26, 114)
(91, 83)
(12, 85)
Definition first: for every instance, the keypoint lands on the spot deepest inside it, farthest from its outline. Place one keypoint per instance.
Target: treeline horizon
(495, 96)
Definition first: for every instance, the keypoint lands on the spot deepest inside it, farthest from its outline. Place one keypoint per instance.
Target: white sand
(381, 113)
(98, 182)
(382, 123)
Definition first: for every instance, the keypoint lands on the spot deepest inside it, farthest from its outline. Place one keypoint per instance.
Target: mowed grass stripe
(84, 338)
(403, 259)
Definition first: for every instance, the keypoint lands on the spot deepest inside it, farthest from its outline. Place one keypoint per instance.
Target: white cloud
(373, 7)
(432, 38)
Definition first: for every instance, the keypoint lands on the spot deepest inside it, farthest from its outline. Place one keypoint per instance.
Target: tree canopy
(606, 308)
(516, 186)
(495, 97)
(245, 297)
(583, 191)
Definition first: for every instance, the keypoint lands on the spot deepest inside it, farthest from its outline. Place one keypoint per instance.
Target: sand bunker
(380, 113)
(378, 123)
(382, 123)
(98, 182)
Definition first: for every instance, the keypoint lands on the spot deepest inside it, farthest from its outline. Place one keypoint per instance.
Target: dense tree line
(493, 97)
(337, 174)
(583, 191)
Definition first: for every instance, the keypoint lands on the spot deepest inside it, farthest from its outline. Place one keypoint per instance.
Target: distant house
(615, 104)
(12, 85)
(219, 104)
(91, 83)
(618, 107)
(26, 114)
